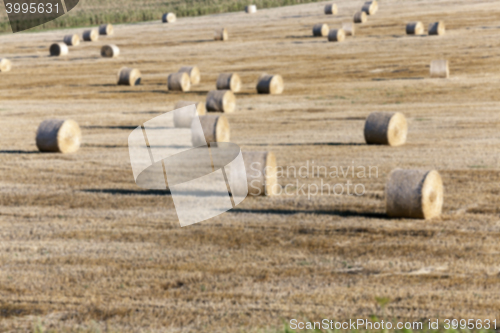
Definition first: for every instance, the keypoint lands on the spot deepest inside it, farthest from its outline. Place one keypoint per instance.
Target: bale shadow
(306, 144)
(198, 41)
(342, 213)
(301, 36)
(115, 191)
(133, 127)
(20, 152)
(398, 78)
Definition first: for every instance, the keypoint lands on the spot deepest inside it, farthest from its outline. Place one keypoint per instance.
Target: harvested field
(83, 247)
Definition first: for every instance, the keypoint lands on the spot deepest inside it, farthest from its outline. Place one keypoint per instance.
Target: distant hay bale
(58, 49)
(215, 129)
(251, 9)
(336, 35)
(331, 9)
(55, 135)
(360, 17)
(349, 28)
(415, 28)
(221, 34)
(129, 76)
(110, 51)
(261, 174)
(384, 128)
(71, 40)
(5, 65)
(229, 81)
(440, 69)
(179, 82)
(168, 18)
(221, 101)
(185, 118)
(270, 84)
(106, 29)
(320, 30)
(437, 28)
(370, 7)
(91, 35)
(414, 194)
(193, 72)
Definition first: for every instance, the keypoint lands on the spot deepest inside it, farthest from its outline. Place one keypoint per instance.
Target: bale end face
(320, 30)
(169, 18)
(336, 35)
(331, 9)
(129, 76)
(261, 173)
(106, 29)
(440, 69)
(193, 72)
(415, 28)
(221, 101)
(370, 7)
(91, 35)
(384, 128)
(110, 51)
(251, 9)
(229, 81)
(5, 65)
(221, 35)
(437, 28)
(179, 82)
(184, 118)
(58, 49)
(215, 129)
(270, 84)
(360, 17)
(71, 40)
(54, 135)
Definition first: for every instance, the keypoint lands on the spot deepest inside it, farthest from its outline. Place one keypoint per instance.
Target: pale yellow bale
(440, 69)
(437, 28)
(320, 30)
(270, 84)
(193, 72)
(215, 129)
(385, 128)
(58, 49)
(414, 194)
(179, 82)
(349, 28)
(331, 9)
(185, 118)
(106, 29)
(336, 35)
(5, 65)
(261, 174)
(129, 76)
(370, 7)
(229, 81)
(360, 17)
(91, 35)
(415, 28)
(71, 40)
(221, 34)
(169, 18)
(251, 9)
(55, 135)
(110, 51)
(221, 101)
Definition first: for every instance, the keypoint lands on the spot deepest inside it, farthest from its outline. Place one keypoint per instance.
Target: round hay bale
(229, 81)
(349, 28)
(414, 194)
(320, 30)
(129, 76)
(168, 18)
(261, 173)
(55, 135)
(370, 7)
(193, 72)
(179, 82)
(221, 101)
(385, 128)
(215, 129)
(360, 17)
(415, 28)
(251, 9)
(5, 65)
(221, 34)
(71, 40)
(437, 28)
(336, 35)
(185, 118)
(270, 84)
(331, 9)
(440, 69)
(58, 49)
(91, 35)
(110, 51)
(106, 29)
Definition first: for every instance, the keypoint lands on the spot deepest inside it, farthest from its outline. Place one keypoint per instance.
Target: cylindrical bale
(415, 28)
(55, 135)
(106, 29)
(110, 51)
(221, 101)
(251, 9)
(370, 7)
(437, 28)
(91, 35)
(360, 17)
(179, 82)
(229, 81)
(221, 34)
(331, 9)
(414, 194)
(320, 30)
(129, 76)
(261, 173)
(193, 72)
(385, 128)
(270, 84)
(349, 28)
(440, 69)
(169, 18)
(58, 49)
(71, 40)
(336, 35)
(215, 129)
(185, 118)
(5, 65)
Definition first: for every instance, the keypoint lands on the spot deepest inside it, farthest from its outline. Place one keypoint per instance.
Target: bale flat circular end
(415, 28)
(221, 101)
(58, 49)
(129, 76)
(169, 18)
(320, 30)
(336, 35)
(228, 81)
(55, 135)
(414, 194)
(91, 35)
(370, 7)
(110, 51)
(251, 9)
(261, 173)
(106, 29)
(384, 128)
(440, 69)
(331, 9)
(360, 17)
(193, 72)
(437, 28)
(179, 82)
(270, 84)
(221, 34)
(215, 129)
(5, 65)
(71, 40)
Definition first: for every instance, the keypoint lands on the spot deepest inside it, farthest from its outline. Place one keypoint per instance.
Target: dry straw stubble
(129, 76)
(385, 128)
(221, 101)
(55, 135)
(228, 81)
